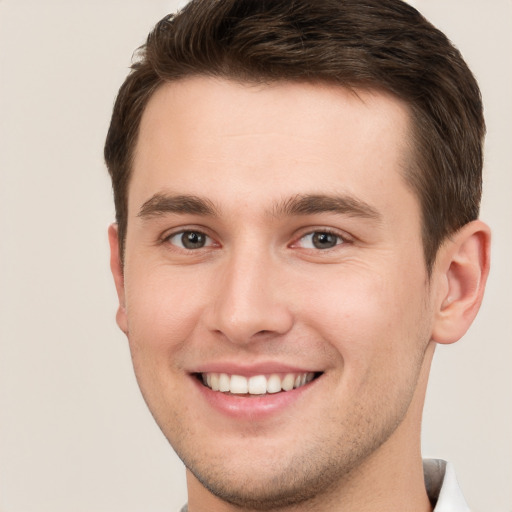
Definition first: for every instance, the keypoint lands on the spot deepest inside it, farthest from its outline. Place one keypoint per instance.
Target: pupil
(324, 240)
(192, 240)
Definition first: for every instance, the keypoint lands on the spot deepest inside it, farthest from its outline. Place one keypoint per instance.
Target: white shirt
(442, 487)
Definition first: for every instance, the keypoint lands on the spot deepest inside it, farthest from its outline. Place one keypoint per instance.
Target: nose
(250, 304)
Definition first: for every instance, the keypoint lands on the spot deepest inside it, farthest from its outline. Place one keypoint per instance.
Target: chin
(267, 490)
(270, 479)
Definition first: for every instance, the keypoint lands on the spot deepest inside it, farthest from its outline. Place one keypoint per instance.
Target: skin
(363, 314)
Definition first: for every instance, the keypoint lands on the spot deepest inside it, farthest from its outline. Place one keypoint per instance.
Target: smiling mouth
(256, 384)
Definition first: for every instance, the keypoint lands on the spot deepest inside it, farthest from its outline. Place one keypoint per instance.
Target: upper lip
(248, 370)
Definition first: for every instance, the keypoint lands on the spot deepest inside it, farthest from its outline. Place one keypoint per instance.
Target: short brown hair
(379, 44)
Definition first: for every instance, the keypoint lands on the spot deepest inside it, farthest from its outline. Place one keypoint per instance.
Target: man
(297, 187)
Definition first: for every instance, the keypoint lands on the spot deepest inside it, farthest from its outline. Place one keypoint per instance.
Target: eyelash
(167, 238)
(341, 239)
(209, 242)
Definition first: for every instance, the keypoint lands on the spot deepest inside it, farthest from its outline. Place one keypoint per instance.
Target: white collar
(442, 486)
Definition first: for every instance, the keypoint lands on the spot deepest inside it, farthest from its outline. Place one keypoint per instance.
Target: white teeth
(214, 382)
(224, 382)
(274, 384)
(288, 382)
(257, 384)
(239, 385)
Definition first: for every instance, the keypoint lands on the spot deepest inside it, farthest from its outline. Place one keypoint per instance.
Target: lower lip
(252, 407)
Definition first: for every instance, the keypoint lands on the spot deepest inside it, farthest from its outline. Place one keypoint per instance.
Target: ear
(117, 272)
(461, 270)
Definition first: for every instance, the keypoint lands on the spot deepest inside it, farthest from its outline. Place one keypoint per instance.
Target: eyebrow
(161, 204)
(302, 204)
(310, 204)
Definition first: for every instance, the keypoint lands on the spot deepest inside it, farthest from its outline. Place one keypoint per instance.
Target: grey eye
(190, 240)
(320, 240)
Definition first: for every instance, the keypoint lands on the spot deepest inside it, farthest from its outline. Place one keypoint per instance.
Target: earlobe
(116, 268)
(462, 267)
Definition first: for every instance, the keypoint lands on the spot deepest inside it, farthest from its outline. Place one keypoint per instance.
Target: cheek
(162, 310)
(369, 318)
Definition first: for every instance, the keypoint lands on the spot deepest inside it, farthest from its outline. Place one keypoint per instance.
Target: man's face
(271, 236)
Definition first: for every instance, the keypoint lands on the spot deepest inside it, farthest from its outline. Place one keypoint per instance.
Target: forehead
(203, 135)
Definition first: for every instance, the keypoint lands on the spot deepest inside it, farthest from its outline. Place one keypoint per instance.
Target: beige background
(74, 432)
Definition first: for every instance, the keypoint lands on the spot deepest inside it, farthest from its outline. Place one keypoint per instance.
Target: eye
(190, 240)
(320, 240)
